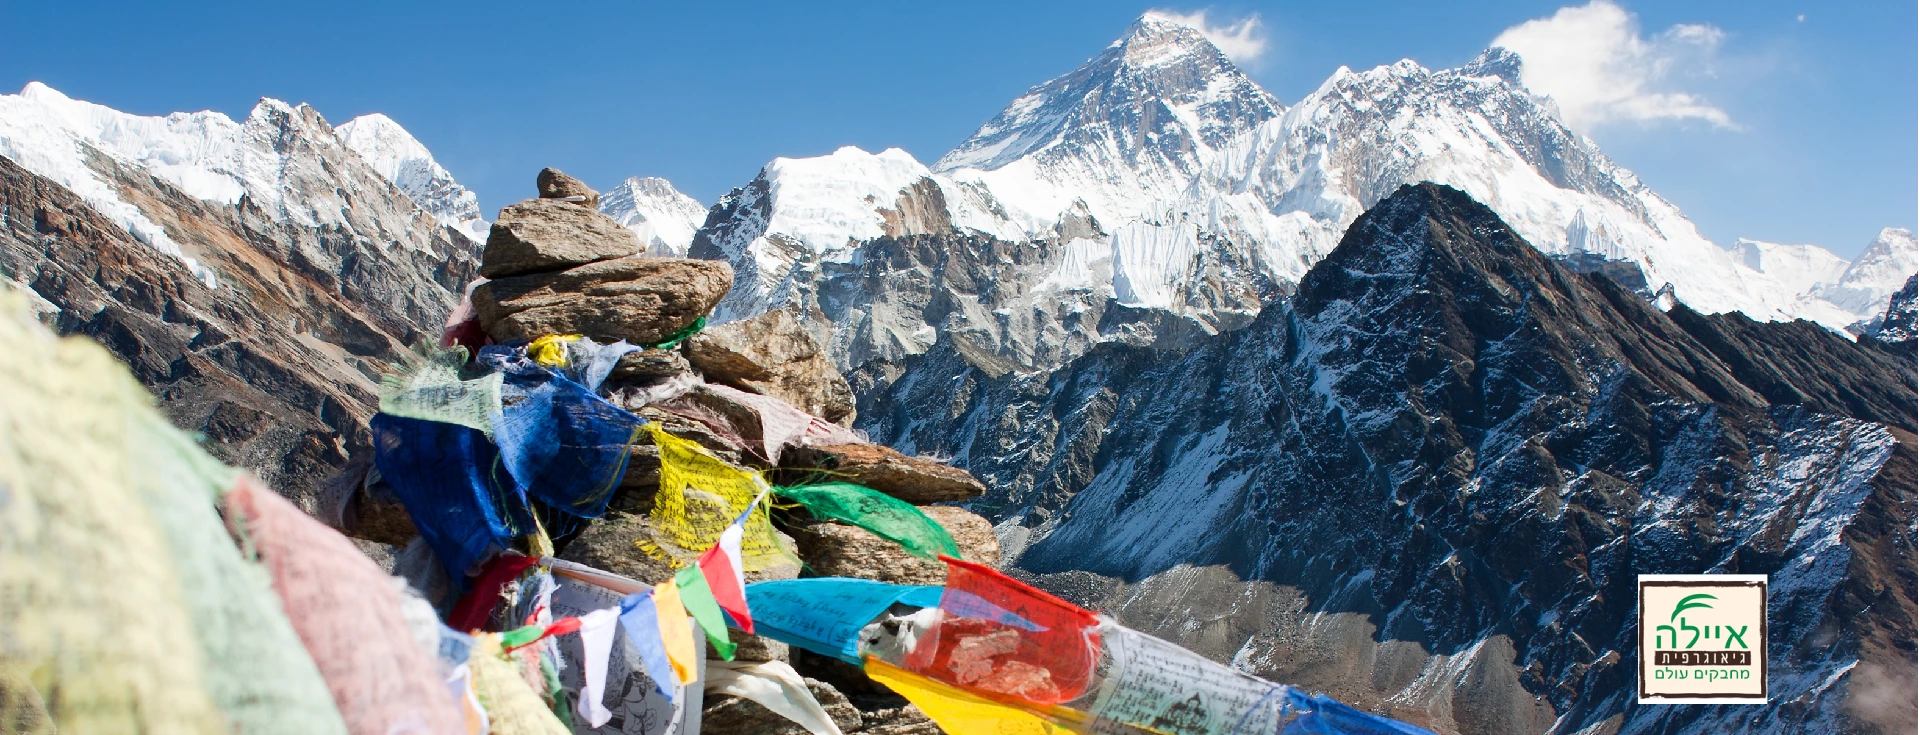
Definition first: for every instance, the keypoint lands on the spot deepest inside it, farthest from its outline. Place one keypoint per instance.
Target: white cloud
(1598, 68)
(1244, 40)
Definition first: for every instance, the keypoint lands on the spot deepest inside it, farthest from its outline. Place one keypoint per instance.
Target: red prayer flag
(721, 566)
(1002, 638)
(473, 610)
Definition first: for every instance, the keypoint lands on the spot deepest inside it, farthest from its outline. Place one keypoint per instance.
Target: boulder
(375, 514)
(611, 544)
(972, 533)
(907, 720)
(771, 354)
(833, 549)
(917, 480)
(556, 185)
(545, 235)
(757, 648)
(357, 503)
(640, 300)
(737, 716)
(649, 363)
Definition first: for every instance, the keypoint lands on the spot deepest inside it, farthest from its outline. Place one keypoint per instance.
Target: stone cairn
(559, 266)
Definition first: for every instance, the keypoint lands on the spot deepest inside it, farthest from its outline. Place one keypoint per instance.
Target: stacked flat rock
(559, 266)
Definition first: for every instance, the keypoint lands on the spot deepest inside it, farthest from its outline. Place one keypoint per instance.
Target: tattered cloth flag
(449, 478)
(824, 615)
(885, 516)
(1003, 638)
(959, 711)
(700, 603)
(512, 707)
(350, 616)
(562, 443)
(676, 634)
(640, 617)
(429, 388)
(596, 645)
(722, 564)
(777, 687)
(551, 350)
(699, 497)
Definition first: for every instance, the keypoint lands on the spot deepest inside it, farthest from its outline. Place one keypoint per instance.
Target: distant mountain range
(1387, 393)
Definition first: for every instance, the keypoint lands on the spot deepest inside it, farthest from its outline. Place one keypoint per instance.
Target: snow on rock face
(1158, 149)
(1361, 135)
(284, 159)
(49, 134)
(1428, 479)
(659, 214)
(1881, 270)
(403, 161)
(1800, 268)
(1125, 133)
(1109, 148)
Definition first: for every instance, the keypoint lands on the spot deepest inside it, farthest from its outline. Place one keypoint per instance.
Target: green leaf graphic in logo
(1690, 602)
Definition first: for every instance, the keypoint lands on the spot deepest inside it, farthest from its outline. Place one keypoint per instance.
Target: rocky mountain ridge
(1131, 182)
(1425, 482)
(258, 276)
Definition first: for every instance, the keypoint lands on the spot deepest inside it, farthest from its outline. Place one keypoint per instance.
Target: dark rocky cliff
(1426, 483)
(279, 364)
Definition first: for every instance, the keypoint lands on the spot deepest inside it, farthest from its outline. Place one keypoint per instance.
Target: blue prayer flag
(642, 623)
(449, 479)
(824, 615)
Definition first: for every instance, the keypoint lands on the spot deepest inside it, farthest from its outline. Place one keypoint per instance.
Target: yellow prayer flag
(699, 496)
(551, 350)
(958, 712)
(675, 633)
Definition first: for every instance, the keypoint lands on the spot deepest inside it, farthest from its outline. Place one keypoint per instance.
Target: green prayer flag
(521, 636)
(884, 515)
(697, 598)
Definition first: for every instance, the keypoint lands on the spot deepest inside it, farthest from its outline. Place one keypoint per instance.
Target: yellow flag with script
(699, 496)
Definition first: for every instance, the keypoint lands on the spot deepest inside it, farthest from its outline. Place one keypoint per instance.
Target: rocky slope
(1426, 482)
(258, 276)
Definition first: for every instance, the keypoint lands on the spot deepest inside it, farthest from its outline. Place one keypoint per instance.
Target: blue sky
(1791, 122)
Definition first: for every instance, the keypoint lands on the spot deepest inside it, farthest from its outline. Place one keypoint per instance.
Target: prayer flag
(1002, 637)
(700, 496)
(700, 604)
(641, 619)
(721, 565)
(957, 711)
(473, 610)
(675, 633)
(775, 686)
(823, 615)
(551, 350)
(885, 516)
(596, 644)
(512, 706)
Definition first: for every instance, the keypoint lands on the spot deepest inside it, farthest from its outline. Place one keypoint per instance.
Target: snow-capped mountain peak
(283, 158)
(659, 214)
(1800, 268)
(1131, 128)
(1872, 278)
(402, 160)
